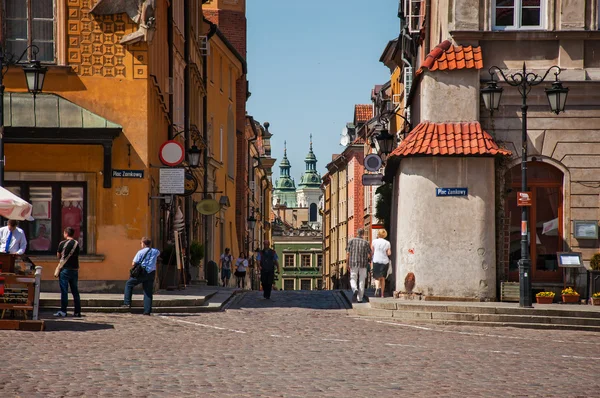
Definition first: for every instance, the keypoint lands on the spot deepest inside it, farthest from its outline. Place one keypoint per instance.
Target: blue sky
(309, 63)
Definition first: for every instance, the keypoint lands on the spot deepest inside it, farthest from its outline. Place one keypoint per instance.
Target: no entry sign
(171, 153)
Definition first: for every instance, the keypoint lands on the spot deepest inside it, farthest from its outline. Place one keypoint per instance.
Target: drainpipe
(211, 32)
(186, 121)
(251, 174)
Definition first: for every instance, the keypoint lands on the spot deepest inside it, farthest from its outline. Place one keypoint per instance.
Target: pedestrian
(358, 256)
(68, 253)
(267, 260)
(12, 238)
(241, 265)
(147, 257)
(382, 250)
(225, 266)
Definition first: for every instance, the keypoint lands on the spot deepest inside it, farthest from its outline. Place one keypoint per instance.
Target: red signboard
(524, 198)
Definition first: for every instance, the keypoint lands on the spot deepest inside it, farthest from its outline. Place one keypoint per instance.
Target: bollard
(36, 297)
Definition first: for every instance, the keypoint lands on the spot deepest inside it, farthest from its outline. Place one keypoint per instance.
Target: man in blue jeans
(147, 256)
(68, 250)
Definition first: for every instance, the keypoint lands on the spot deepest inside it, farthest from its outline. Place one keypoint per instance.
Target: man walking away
(358, 253)
(226, 260)
(147, 257)
(267, 260)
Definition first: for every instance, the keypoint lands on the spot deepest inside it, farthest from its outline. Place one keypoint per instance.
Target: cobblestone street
(300, 344)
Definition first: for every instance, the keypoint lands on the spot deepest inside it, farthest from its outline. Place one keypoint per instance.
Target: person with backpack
(225, 262)
(145, 260)
(267, 260)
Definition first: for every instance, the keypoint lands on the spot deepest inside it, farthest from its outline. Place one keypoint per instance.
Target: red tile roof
(446, 56)
(362, 113)
(449, 139)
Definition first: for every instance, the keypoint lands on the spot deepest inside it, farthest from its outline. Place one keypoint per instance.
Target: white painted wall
(447, 242)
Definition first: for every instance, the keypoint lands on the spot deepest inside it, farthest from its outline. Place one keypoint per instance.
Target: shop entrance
(545, 220)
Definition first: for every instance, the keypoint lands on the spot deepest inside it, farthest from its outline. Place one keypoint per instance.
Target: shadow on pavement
(75, 326)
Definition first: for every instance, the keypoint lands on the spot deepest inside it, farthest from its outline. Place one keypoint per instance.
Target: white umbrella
(13, 207)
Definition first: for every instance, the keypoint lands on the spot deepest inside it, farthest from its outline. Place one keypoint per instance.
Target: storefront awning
(51, 119)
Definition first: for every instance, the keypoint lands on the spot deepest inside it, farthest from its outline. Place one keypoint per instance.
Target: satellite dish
(345, 140)
(345, 130)
(373, 162)
(208, 207)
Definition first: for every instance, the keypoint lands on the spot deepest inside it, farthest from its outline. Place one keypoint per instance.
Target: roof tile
(446, 56)
(449, 139)
(362, 113)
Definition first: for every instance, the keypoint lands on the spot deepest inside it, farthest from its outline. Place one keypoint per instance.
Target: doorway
(545, 228)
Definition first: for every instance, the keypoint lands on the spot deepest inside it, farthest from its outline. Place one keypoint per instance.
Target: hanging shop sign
(372, 179)
(451, 192)
(128, 173)
(172, 181)
(191, 184)
(524, 198)
(171, 153)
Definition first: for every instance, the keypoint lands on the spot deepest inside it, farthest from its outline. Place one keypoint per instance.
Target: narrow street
(300, 344)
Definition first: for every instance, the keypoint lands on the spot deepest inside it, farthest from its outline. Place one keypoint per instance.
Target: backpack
(267, 260)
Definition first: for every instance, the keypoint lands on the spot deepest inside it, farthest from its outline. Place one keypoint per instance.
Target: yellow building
(85, 152)
(225, 67)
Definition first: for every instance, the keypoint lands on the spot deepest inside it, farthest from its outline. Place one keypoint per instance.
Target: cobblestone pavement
(300, 345)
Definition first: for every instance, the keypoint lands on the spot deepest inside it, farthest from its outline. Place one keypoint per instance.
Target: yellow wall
(221, 115)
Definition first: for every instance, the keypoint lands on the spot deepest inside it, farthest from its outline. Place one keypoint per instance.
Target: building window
(231, 143)
(305, 260)
(319, 260)
(230, 83)
(313, 212)
(221, 73)
(289, 284)
(305, 284)
(30, 22)
(221, 144)
(518, 14)
(288, 260)
(320, 284)
(56, 206)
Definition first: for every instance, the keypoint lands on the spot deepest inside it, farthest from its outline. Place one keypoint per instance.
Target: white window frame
(517, 17)
(293, 258)
(309, 259)
(221, 144)
(413, 18)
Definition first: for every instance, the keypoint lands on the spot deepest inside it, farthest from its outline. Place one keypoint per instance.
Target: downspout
(251, 169)
(211, 32)
(186, 122)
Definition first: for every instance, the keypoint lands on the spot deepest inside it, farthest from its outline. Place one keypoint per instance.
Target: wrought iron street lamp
(557, 97)
(385, 141)
(251, 222)
(194, 156)
(35, 75)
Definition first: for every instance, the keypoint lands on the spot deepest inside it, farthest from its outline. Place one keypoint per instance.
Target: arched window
(313, 212)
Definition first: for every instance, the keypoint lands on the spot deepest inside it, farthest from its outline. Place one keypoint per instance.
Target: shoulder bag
(138, 270)
(63, 259)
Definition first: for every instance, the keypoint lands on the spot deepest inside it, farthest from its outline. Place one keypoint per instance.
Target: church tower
(309, 190)
(285, 187)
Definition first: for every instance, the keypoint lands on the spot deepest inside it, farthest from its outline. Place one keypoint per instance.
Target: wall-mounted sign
(569, 260)
(171, 153)
(372, 179)
(128, 173)
(451, 192)
(523, 198)
(585, 229)
(172, 181)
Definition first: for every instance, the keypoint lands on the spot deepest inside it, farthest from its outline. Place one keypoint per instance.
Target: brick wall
(359, 200)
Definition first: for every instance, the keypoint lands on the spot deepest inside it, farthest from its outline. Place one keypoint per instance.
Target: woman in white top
(241, 265)
(381, 250)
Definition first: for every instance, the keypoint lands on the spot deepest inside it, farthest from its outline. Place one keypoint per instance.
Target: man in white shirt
(12, 239)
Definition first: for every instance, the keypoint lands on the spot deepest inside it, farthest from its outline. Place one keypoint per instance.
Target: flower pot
(544, 300)
(570, 298)
(595, 300)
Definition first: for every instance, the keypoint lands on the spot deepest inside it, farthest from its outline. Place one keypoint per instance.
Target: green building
(300, 252)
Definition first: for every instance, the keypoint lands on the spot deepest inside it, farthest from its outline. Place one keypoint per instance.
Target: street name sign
(451, 192)
(128, 173)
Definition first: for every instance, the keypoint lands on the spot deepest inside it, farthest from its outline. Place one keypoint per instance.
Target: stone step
(475, 318)
(139, 310)
(138, 301)
(546, 326)
(573, 311)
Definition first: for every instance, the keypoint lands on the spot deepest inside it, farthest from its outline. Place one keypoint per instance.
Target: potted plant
(545, 297)
(569, 295)
(595, 262)
(196, 253)
(596, 298)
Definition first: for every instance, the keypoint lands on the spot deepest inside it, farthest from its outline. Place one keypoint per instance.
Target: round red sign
(171, 153)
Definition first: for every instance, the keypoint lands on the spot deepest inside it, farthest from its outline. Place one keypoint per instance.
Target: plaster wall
(447, 242)
(439, 89)
(464, 15)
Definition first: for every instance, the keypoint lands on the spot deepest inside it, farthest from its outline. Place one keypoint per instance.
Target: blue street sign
(451, 192)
